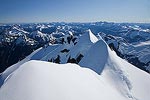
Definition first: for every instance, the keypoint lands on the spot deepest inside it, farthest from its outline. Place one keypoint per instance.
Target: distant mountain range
(74, 67)
(131, 41)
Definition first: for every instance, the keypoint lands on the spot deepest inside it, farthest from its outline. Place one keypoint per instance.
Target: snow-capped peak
(116, 78)
(119, 73)
(37, 33)
(96, 57)
(91, 36)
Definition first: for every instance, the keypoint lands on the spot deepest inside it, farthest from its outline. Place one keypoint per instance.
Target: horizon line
(71, 22)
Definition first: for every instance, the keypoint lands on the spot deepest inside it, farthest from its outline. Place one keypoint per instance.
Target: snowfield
(99, 75)
(55, 82)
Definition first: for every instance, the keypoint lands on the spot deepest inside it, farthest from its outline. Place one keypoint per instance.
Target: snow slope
(38, 80)
(96, 60)
(84, 43)
(112, 77)
(124, 77)
(11, 69)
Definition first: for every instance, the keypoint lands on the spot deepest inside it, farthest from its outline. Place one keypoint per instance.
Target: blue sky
(74, 11)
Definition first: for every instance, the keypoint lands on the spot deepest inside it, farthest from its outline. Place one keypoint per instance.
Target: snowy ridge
(10, 70)
(67, 81)
(137, 53)
(129, 40)
(116, 71)
(100, 57)
(85, 42)
(127, 78)
(102, 75)
(92, 37)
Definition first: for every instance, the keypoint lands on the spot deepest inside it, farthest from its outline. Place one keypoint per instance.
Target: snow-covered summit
(39, 36)
(101, 74)
(119, 73)
(89, 36)
(96, 57)
(83, 44)
(36, 80)
(117, 34)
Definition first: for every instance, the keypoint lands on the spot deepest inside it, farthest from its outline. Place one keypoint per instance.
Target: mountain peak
(88, 37)
(84, 43)
(96, 57)
(91, 36)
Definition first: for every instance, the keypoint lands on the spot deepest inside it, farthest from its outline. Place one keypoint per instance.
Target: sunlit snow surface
(102, 75)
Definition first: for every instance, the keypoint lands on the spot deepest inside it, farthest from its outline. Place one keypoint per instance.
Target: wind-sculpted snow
(43, 52)
(38, 80)
(19, 40)
(84, 43)
(101, 74)
(120, 74)
(136, 53)
(14, 67)
(96, 57)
